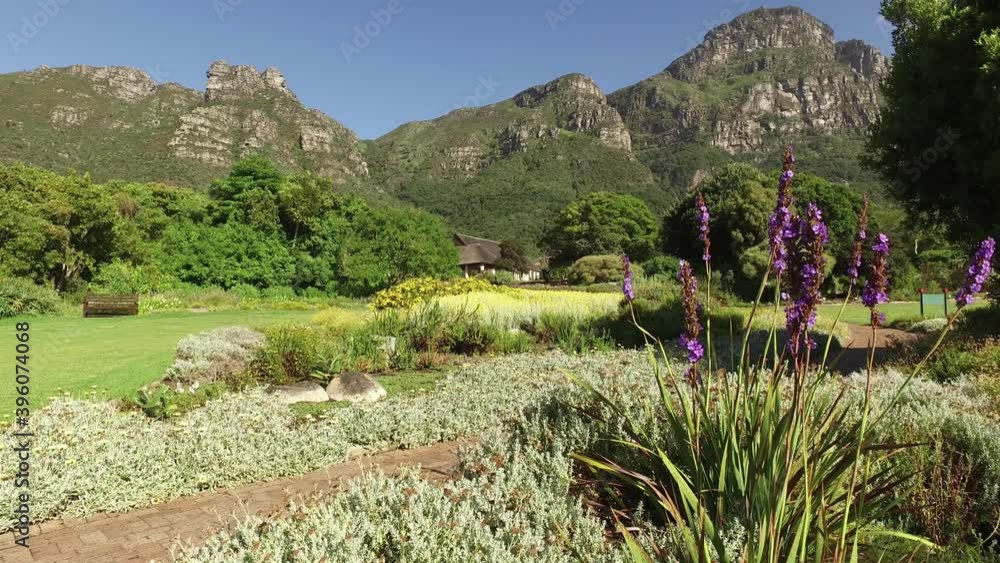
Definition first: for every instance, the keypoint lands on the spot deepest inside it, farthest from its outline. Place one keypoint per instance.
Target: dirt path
(855, 357)
(146, 535)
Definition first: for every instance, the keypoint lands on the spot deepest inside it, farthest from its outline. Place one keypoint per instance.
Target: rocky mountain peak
(240, 82)
(122, 82)
(573, 85)
(751, 33)
(865, 59)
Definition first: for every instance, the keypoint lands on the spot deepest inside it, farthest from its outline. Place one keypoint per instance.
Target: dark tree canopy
(603, 223)
(740, 200)
(937, 141)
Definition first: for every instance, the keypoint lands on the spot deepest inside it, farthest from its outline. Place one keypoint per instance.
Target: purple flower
(781, 229)
(692, 326)
(977, 274)
(627, 284)
(694, 348)
(854, 268)
(876, 289)
(808, 263)
(703, 227)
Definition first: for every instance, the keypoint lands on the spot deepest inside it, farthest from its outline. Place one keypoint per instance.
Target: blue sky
(424, 60)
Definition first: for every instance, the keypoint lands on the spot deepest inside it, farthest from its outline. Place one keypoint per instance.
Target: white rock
(355, 387)
(301, 392)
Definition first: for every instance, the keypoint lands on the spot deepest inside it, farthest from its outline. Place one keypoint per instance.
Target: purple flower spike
(627, 284)
(979, 271)
(854, 268)
(692, 326)
(781, 229)
(876, 289)
(807, 278)
(703, 227)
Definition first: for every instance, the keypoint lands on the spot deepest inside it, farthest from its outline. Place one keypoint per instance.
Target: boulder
(301, 392)
(355, 387)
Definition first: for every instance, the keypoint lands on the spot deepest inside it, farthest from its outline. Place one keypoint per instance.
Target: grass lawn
(113, 355)
(858, 314)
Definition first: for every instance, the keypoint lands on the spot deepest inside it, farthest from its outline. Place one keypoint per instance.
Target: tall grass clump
(520, 307)
(759, 457)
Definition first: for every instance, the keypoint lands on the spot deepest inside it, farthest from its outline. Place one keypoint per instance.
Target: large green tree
(602, 223)
(740, 199)
(937, 141)
(55, 229)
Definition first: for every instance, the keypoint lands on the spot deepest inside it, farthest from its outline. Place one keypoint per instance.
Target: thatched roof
(474, 250)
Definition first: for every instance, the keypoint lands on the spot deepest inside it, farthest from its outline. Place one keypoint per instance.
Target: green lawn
(114, 356)
(858, 314)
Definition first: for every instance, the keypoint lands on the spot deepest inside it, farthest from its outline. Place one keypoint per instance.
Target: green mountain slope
(117, 123)
(502, 170)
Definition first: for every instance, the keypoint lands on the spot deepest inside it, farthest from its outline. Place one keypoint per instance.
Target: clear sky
(422, 61)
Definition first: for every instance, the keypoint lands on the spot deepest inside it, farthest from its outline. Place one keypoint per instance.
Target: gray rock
(355, 387)
(301, 392)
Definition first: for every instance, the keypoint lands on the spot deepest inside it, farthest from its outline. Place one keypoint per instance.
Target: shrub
(514, 342)
(929, 326)
(471, 336)
(21, 297)
(415, 291)
(518, 308)
(162, 402)
(279, 293)
(124, 277)
(291, 354)
(314, 293)
(156, 302)
(665, 266)
(572, 334)
(599, 269)
(503, 277)
(245, 291)
(218, 355)
(339, 320)
(981, 322)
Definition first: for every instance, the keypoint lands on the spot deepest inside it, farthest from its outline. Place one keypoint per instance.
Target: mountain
(503, 170)
(767, 77)
(118, 123)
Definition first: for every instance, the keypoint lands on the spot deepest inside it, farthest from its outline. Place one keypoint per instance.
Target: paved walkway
(855, 357)
(146, 535)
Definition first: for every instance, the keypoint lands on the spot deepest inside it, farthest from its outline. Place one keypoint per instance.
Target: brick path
(146, 535)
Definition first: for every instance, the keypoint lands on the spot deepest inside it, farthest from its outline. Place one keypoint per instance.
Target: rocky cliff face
(117, 122)
(768, 73)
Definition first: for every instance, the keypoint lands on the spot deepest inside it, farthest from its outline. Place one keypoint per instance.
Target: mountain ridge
(767, 77)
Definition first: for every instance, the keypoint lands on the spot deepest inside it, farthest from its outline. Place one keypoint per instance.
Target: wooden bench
(100, 305)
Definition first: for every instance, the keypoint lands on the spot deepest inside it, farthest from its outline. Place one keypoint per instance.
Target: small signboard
(933, 299)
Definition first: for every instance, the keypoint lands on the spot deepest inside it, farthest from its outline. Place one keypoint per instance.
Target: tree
(602, 223)
(936, 140)
(512, 257)
(388, 245)
(55, 229)
(740, 199)
(840, 206)
(250, 193)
